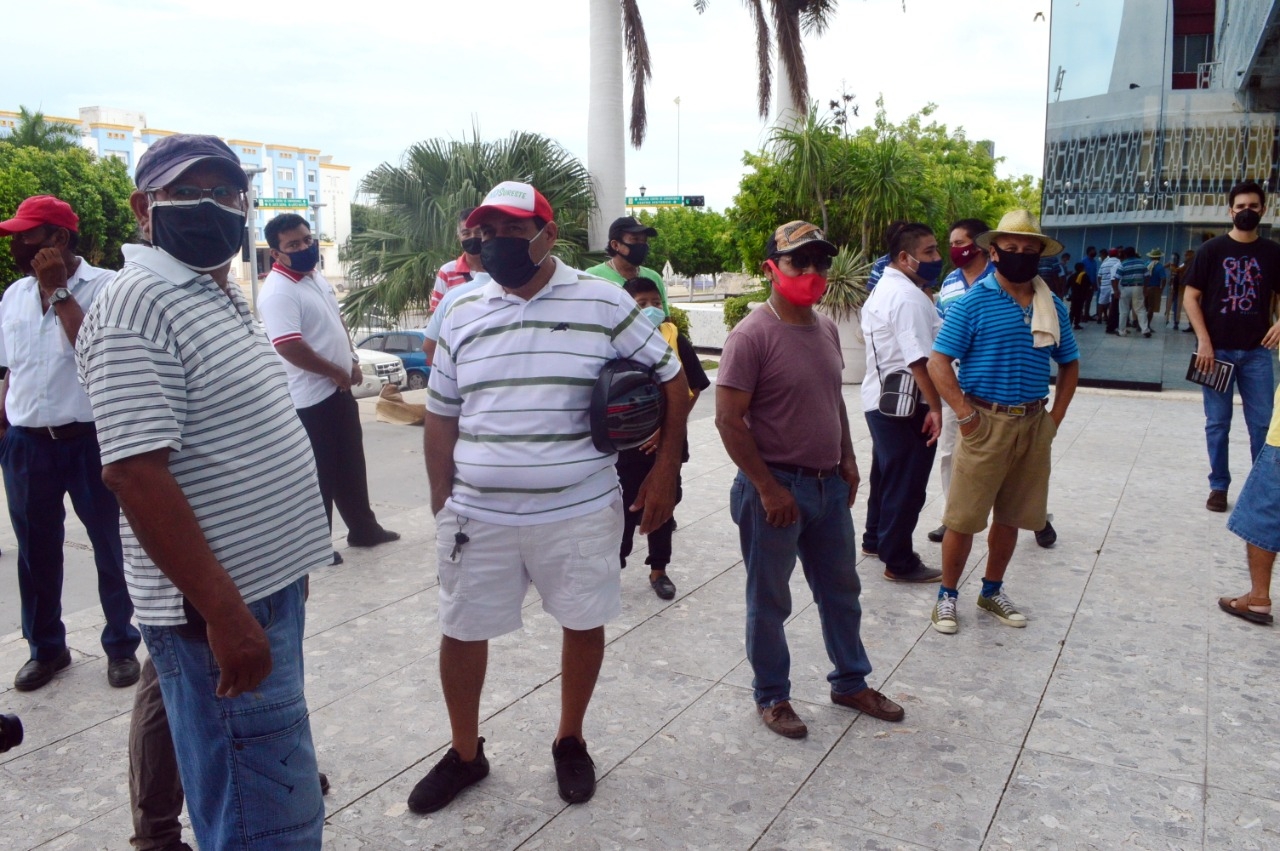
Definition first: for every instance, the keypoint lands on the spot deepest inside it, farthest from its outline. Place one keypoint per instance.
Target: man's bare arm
(167, 529)
(300, 354)
(657, 494)
(439, 438)
(732, 406)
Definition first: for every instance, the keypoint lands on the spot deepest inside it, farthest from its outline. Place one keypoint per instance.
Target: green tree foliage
(97, 189)
(34, 131)
(858, 183)
(694, 242)
(411, 229)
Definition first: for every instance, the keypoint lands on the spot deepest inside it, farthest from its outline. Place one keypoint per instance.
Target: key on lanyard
(459, 539)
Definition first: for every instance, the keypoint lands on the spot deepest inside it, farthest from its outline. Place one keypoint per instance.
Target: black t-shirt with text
(1236, 281)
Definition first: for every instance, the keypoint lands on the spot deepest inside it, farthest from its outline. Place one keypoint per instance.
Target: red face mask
(801, 290)
(962, 256)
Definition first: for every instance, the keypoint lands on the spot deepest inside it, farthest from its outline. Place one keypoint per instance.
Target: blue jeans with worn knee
(1256, 381)
(824, 541)
(248, 764)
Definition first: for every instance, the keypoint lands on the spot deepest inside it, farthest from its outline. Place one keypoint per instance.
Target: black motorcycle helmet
(627, 406)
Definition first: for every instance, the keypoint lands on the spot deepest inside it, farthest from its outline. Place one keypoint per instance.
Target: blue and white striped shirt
(991, 335)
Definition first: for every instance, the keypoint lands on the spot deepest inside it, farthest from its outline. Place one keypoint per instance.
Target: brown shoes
(870, 702)
(1217, 501)
(783, 720)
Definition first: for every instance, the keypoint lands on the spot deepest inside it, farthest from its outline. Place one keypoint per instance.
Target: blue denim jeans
(825, 543)
(1254, 377)
(247, 763)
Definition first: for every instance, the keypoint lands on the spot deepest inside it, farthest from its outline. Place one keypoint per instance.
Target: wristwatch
(60, 295)
(355, 358)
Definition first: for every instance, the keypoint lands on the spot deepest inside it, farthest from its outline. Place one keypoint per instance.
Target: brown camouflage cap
(796, 235)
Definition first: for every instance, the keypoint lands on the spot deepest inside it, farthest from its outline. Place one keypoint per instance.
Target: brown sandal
(1242, 610)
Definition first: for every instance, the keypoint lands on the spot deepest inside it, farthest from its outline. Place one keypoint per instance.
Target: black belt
(1012, 410)
(810, 472)
(70, 431)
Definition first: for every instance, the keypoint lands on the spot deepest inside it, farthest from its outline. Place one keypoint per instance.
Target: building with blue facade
(1146, 157)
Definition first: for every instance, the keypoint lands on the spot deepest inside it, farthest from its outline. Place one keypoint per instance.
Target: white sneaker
(944, 615)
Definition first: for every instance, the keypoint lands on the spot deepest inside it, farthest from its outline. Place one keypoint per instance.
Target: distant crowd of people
(204, 448)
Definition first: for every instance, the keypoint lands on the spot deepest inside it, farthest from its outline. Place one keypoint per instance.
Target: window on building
(311, 177)
(284, 193)
(118, 155)
(311, 196)
(1191, 50)
(284, 174)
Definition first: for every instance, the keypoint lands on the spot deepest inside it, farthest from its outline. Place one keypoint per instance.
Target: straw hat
(1155, 254)
(1020, 223)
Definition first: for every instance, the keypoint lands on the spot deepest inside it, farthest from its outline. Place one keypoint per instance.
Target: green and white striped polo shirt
(170, 361)
(518, 376)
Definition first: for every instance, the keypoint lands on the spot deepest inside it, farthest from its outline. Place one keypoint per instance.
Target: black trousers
(900, 467)
(1080, 296)
(633, 466)
(337, 440)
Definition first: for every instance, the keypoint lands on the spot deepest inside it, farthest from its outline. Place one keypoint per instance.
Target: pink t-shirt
(793, 375)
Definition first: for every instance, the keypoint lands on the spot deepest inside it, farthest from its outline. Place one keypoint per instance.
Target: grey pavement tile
(1058, 803)
(1128, 708)
(634, 808)
(30, 817)
(630, 705)
(106, 832)
(790, 831)
(720, 741)
(1245, 822)
(473, 820)
(933, 789)
(1244, 731)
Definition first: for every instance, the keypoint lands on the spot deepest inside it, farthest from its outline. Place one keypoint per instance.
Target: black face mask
(507, 260)
(637, 252)
(202, 237)
(1247, 220)
(1015, 266)
(472, 245)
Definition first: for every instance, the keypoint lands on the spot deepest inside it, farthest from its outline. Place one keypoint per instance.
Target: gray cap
(169, 157)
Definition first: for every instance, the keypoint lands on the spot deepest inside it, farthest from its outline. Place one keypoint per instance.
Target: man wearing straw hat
(1157, 276)
(1005, 332)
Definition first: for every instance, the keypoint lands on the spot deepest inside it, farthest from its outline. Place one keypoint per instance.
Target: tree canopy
(97, 189)
(855, 184)
(411, 227)
(694, 242)
(34, 131)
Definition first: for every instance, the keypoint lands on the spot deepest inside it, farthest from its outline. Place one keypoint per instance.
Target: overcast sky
(364, 80)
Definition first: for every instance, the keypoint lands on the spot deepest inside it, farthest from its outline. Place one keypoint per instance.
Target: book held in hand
(1219, 378)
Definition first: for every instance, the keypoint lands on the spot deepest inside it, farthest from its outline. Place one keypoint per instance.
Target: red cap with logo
(515, 199)
(41, 210)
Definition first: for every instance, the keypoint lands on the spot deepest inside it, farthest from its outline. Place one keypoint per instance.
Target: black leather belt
(1012, 410)
(70, 431)
(810, 472)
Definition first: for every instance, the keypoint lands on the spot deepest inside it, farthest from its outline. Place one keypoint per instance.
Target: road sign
(655, 200)
(282, 202)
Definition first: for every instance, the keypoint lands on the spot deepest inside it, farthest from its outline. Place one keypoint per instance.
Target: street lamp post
(251, 231)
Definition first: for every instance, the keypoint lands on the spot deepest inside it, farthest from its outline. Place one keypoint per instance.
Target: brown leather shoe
(1217, 501)
(783, 720)
(871, 702)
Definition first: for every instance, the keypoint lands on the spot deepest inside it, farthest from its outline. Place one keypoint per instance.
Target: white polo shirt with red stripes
(303, 307)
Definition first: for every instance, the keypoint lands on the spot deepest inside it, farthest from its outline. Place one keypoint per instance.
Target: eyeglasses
(192, 195)
(817, 262)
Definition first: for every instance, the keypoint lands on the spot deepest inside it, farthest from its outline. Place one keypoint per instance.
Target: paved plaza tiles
(1131, 713)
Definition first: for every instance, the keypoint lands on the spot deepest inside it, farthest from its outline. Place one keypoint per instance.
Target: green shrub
(681, 318)
(737, 307)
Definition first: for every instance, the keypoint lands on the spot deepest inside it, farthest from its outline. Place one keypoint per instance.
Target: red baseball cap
(41, 210)
(515, 199)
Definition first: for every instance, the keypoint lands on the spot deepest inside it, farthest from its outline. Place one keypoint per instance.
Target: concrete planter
(852, 347)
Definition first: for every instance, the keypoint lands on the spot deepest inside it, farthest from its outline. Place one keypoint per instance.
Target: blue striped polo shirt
(988, 332)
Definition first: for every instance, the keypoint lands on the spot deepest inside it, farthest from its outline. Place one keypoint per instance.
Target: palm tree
(810, 152)
(411, 225)
(611, 28)
(790, 19)
(34, 131)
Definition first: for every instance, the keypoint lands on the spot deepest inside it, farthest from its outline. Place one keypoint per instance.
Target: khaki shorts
(1151, 297)
(573, 563)
(1003, 465)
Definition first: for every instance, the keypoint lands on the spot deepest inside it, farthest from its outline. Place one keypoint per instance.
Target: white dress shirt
(44, 389)
(899, 323)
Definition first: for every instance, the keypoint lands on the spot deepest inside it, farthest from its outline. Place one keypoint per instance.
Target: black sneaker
(664, 587)
(1047, 536)
(937, 534)
(575, 770)
(450, 776)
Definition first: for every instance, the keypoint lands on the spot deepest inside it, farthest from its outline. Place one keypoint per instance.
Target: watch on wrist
(60, 295)
(972, 416)
(355, 358)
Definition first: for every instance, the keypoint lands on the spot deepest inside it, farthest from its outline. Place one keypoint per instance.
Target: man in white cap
(519, 492)
(1005, 332)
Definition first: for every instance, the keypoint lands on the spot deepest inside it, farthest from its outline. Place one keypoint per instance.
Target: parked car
(406, 345)
(378, 369)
